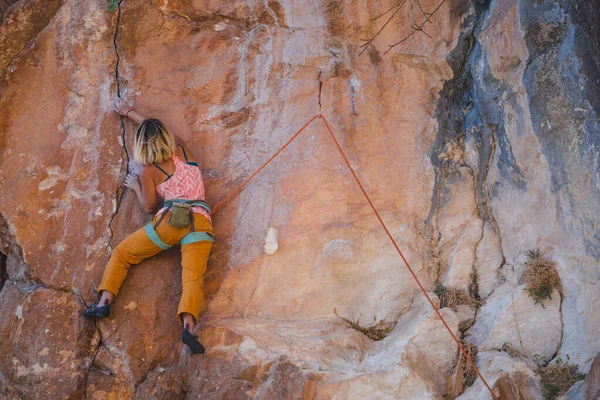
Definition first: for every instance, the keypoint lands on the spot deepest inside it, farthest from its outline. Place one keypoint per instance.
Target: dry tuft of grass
(452, 297)
(470, 375)
(464, 375)
(376, 331)
(540, 277)
(557, 378)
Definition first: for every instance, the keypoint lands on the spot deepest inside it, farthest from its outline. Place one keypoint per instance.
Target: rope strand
(215, 208)
(416, 279)
(462, 350)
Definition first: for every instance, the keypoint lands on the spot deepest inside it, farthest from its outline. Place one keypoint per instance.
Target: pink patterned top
(185, 183)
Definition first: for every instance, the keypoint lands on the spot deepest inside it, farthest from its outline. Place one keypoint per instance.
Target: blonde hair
(153, 143)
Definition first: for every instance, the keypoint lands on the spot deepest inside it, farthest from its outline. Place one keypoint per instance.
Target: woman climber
(167, 170)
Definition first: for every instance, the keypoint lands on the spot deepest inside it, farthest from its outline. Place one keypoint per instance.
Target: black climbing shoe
(192, 342)
(96, 311)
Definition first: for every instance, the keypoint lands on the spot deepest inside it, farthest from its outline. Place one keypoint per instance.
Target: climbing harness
(111, 6)
(180, 217)
(383, 225)
(181, 212)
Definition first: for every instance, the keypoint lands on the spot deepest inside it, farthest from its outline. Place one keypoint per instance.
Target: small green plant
(540, 294)
(112, 5)
(439, 289)
(469, 381)
(451, 297)
(533, 254)
(540, 277)
(557, 378)
(377, 331)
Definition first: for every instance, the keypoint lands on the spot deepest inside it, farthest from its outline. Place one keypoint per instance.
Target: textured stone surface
(45, 347)
(477, 145)
(163, 383)
(512, 318)
(592, 380)
(465, 315)
(510, 378)
(589, 388)
(62, 179)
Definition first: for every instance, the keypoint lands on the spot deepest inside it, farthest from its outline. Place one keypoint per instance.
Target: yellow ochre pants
(146, 242)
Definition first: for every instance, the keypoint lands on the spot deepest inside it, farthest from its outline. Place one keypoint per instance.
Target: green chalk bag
(181, 215)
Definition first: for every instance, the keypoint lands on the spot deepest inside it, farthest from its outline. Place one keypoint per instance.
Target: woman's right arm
(135, 116)
(126, 110)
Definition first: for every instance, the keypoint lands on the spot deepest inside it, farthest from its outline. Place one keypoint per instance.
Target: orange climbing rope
(461, 348)
(219, 204)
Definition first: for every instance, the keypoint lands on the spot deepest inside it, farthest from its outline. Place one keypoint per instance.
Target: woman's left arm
(144, 188)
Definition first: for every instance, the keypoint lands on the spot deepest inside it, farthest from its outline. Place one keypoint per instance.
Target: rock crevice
(123, 137)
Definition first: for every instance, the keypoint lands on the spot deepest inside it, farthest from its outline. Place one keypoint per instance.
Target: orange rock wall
(235, 79)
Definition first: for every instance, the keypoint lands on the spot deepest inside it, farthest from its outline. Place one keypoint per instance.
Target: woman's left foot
(192, 342)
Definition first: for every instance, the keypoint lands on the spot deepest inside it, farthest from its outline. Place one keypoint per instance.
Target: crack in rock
(120, 189)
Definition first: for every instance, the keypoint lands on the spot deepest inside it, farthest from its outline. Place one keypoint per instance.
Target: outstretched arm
(134, 116)
(126, 109)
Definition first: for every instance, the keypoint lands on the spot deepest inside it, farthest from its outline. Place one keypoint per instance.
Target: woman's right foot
(96, 311)
(192, 342)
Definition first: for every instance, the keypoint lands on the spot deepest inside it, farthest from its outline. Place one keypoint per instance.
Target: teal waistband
(193, 203)
(194, 237)
(191, 237)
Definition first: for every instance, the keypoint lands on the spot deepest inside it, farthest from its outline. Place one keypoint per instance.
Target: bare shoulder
(146, 169)
(147, 172)
(179, 150)
(184, 153)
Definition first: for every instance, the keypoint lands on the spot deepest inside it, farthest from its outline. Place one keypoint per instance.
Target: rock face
(477, 142)
(512, 319)
(589, 388)
(46, 347)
